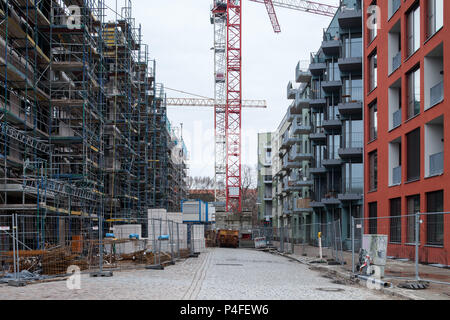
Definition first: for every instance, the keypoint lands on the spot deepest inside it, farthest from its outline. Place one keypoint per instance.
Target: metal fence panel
(415, 245)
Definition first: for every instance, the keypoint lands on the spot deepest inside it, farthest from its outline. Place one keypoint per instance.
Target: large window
(413, 204)
(373, 72)
(373, 121)
(413, 155)
(414, 96)
(396, 221)
(373, 171)
(435, 16)
(435, 222)
(413, 30)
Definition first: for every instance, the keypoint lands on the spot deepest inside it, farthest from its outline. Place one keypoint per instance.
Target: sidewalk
(397, 271)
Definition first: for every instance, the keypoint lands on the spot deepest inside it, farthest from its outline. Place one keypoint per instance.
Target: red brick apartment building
(407, 121)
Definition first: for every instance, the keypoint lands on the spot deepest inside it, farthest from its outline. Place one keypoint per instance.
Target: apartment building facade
(265, 178)
(336, 100)
(405, 116)
(318, 146)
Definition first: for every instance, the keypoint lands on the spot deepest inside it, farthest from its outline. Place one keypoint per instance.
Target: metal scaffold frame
(84, 128)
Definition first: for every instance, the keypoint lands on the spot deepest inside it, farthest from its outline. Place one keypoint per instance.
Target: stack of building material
(130, 246)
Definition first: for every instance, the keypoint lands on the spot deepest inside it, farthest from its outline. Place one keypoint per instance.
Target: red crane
(227, 15)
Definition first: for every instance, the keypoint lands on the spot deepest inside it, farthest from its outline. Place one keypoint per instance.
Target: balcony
(350, 64)
(302, 73)
(351, 104)
(318, 171)
(437, 164)
(331, 199)
(332, 86)
(318, 138)
(331, 45)
(301, 205)
(397, 118)
(396, 61)
(332, 124)
(394, 5)
(301, 102)
(350, 18)
(291, 92)
(331, 163)
(353, 190)
(437, 94)
(397, 176)
(299, 128)
(304, 181)
(352, 147)
(317, 66)
(298, 154)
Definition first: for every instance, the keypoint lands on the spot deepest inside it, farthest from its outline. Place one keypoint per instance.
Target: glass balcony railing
(397, 118)
(353, 140)
(354, 94)
(437, 94)
(353, 186)
(395, 6)
(396, 61)
(397, 175)
(437, 163)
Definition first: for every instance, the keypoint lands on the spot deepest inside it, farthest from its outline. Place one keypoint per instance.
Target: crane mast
(219, 20)
(233, 114)
(226, 15)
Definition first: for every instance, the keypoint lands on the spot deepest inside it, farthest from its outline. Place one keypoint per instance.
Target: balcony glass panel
(437, 93)
(437, 164)
(397, 175)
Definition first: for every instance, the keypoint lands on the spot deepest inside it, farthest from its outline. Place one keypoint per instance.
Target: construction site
(95, 174)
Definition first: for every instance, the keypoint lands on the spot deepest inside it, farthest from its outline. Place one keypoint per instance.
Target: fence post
(353, 245)
(13, 223)
(178, 240)
(417, 245)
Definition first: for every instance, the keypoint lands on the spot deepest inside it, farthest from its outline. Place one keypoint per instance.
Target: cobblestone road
(219, 274)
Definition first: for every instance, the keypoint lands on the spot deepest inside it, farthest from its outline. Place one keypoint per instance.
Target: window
(414, 96)
(373, 121)
(435, 223)
(373, 171)
(413, 155)
(413, 30)
(396, 221)
(413, 204)
(373, 72)
(435, 16)
(373, 214)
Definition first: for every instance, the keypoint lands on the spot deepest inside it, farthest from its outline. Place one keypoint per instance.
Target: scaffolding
(84, 127)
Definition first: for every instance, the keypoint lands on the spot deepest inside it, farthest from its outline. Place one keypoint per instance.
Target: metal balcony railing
(437, 94)
(397, 175)
(437, 163)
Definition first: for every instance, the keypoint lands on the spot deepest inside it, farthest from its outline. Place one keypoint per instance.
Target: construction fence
(411, 247)
(408, 247)
(303, 239)
(36, 248)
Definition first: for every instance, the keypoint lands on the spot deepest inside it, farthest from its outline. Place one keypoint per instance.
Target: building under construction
(84, 127)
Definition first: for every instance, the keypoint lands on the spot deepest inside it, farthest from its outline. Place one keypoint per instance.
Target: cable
(192, 94)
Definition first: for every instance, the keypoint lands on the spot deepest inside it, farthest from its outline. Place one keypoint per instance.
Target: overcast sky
(180, 37)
